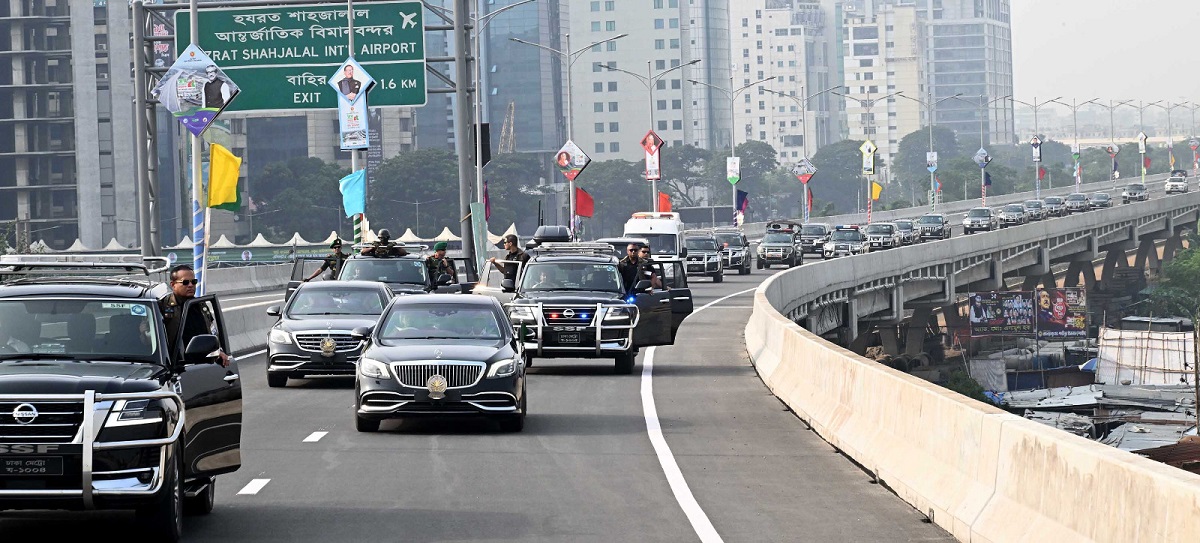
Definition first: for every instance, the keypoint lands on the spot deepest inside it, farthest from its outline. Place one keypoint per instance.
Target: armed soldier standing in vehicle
(333, 262)
(384, 246)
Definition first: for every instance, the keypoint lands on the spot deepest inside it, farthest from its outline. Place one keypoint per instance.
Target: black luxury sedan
(441, 354)
(314, 333)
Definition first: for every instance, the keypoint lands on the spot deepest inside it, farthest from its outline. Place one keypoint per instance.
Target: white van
(663, 230)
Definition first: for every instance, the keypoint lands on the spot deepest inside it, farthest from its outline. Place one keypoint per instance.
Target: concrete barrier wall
(245, 279)
(980, 473)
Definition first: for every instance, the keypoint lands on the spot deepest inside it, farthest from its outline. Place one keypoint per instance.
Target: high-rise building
(524, 85)
(783, 39)
(884, 55)
(66, 122)
(612, 110)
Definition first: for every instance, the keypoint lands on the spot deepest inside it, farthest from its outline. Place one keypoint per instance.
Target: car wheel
(202, 503)
(164, 517)
(366, 425)
(277, 380)
(767, 266)
(744, 270)
(515, 422)
(718, 277)
(624, 363)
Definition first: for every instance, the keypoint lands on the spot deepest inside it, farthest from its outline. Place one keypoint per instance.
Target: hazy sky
(1118, 49)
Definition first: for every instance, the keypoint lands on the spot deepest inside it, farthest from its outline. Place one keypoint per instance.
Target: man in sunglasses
(200, 319)
(333, 262)
(513, 260)
(637, 266)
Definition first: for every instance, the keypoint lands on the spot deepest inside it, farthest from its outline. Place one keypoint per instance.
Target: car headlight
(134, 412)
(280, 336)
(369, 367)
(521, 314)
(713, 258)
(620, 313)
(761, 249)
(504, 368)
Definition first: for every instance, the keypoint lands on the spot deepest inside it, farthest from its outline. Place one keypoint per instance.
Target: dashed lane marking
(253, 487)
(315, 437)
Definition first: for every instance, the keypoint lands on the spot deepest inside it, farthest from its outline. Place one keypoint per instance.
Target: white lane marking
(315, 437)
(253, 487)
(239, 297)
(250, 355)
(679, 487)
(244, 306)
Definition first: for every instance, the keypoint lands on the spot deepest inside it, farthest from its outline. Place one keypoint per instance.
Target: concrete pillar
(1174, 245)
(851, 319)
(1145, 247)
(1089, 277)
(956, 323)
(1031, 282)
(1113, 260)
(890, 337)
(914, 339)
(859, 343)
(1153, 263)
(1072, 277)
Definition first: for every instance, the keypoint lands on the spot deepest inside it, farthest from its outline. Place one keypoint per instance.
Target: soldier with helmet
(384, 246)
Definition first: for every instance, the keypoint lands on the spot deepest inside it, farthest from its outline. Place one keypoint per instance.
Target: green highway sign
(281, 57)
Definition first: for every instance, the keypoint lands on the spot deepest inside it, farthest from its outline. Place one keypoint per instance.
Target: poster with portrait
(195, 90)
(352, 83)
(1061, 313)
(571, 160)
(1001, 313)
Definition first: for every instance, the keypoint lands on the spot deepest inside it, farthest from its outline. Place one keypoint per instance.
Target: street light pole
(1142, 130)
(732, 94)
(418, 204)
(802, 103)
(868, 104)
(1037, 179)
(930, 107)
(649, 80)
(1170, 134)
(1112, 135)
(1075, 128)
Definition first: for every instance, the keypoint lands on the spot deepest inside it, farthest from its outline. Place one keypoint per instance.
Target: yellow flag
(876, 189)
(223, 171)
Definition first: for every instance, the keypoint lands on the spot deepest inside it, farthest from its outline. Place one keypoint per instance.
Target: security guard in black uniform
(199, 321)
(637, 266)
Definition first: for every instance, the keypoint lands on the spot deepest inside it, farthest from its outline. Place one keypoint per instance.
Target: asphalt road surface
(695, 450)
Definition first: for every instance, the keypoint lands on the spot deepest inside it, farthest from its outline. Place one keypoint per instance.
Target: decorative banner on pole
(1141, 138)
(733, 169)
(571, 160)
(982, 158)
(1062, 313)
(804, 170)
(652, 143)
(868, 149)
(1036, 144)
(739, 212)
(1112, 149)
(352, 83)
(195, 90)
(931, 161)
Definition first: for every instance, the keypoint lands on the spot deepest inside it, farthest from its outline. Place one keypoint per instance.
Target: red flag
(1041, 173)
(810, 200)
(664, 201)
(584, 206)
(487, 202)
(1146, 162)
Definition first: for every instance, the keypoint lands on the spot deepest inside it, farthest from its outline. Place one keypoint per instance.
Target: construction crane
(508, 140)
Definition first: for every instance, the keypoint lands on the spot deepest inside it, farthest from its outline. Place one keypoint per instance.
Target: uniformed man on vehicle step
(437, 264)
(513, 260)
(333, 262)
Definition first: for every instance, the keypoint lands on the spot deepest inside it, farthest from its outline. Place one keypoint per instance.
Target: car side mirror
(642, 286)
(201, 349)
(273, 311)
(508, 285)
(362, 333)
(444, 279)
(683, 252)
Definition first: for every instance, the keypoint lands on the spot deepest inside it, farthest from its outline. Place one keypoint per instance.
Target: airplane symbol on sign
(410, 20)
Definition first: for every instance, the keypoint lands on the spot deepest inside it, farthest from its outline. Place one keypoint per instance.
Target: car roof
(343, 284)
(84, 287)
(409, 256)
(596, 259)
(460, 300)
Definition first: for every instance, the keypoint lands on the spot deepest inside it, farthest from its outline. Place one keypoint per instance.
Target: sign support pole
(199, 209)
(462, 106)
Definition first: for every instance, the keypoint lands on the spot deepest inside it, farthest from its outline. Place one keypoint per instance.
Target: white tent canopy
(409, 237)
(114, 245)
(447, 235)
(332, 236)
(185, 243)
(260, 241)
(78, 246)
(296, 240)
(223, 243)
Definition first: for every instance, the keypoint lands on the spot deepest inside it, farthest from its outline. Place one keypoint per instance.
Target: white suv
(1176, 184)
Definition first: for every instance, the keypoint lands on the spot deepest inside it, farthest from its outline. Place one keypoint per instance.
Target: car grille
(842, 247)
(568, 316)
(457, 374)
(57, 422)
(312, 341)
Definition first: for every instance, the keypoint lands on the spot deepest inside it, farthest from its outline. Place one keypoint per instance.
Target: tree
(909, 164)
(429, 176)
(684, 169)
(298, 196)
(838, 180)
(618, 188)
(1179, 294)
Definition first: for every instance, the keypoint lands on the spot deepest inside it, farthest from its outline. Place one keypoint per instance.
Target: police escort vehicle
(704, 255)
(781, 244)
(846, 241)
(736, 253)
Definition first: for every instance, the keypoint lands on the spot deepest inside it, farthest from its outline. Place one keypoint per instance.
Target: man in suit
(348, 85)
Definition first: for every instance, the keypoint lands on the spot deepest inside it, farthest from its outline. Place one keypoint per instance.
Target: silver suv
(980, 219)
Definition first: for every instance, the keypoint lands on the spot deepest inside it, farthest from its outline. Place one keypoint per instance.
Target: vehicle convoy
(440, 354)
(934, 226)
(813, 237)
(100, 406)
(980, 219)
(846, 241)
(1077, 202)
(571, 301)
(1099, 199)
(1035, 210)
(736, 253)
(1055, 206)
(395, 266)
(1135, 192)
(664, 232)
(704, 255)
(1013, 215)
(314, 333)
(1178, 182)
(781, 244)
(882, 235)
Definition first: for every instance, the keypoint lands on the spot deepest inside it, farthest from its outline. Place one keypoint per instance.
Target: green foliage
(838, 180)
(684, 170)
(909, 165)
(300, 195)
(963, 384)
(1178, 293)
(619, 188)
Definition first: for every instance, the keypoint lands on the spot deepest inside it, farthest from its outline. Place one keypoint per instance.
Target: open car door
(212, 395)
(490, 283)
(675, 279)
(654, 319)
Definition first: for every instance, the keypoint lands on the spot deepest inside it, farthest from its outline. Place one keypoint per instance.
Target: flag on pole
(584, 205)
(938, 181)
(664, 202)
(1146, 162)
(354, 193)
(1041, 173)
(876, 190)
(223, 171)
(987, 179)
(487, 202)
(739, 211)
(809, 203)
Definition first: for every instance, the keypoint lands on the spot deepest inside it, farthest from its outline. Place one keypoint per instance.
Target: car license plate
(568, 337)
(26, 465)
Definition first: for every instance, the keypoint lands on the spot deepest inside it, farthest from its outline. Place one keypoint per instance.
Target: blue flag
(987, 179)
(354, 192)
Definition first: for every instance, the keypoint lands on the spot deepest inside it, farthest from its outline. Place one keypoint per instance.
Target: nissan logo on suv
(25, 413)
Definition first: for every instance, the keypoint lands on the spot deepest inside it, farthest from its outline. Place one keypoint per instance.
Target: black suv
(781, 245)
(98, 410)
(813, 237)
(933, 226)
(571, 301)
(735, 250)
(703, 255)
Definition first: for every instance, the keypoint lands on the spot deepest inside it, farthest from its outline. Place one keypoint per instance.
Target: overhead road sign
(282, 55)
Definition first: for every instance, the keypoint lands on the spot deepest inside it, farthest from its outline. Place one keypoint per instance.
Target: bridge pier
(1147, 255)
(1114, 259)
(914, 337)
(890, 338)
(1173, 245)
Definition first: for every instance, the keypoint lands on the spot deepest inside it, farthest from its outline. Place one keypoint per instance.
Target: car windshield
(904, 225)
(1033, 204)
(571, 276)
(930, 219)
(700, 244)
(880, 229)
(729, 240)
(1015, 208)
(1054, 200)
(448, 321)
(661, 244)
(385, 270)
(341, 301)
(979, 212)
(1076, 197)
(80, 329)
(813, 231)
(777, 237)
(847, 235)
(1100, 196)
(1135, 187)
